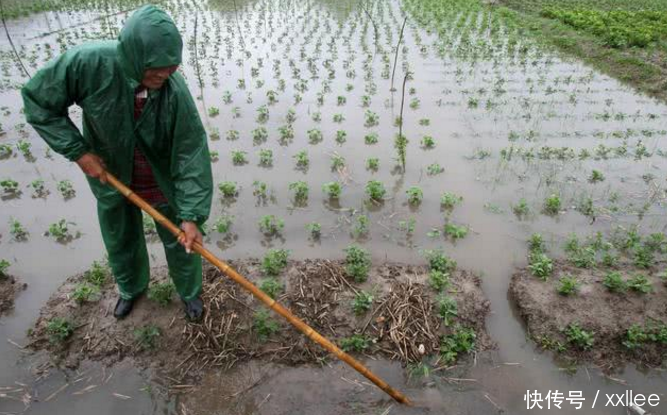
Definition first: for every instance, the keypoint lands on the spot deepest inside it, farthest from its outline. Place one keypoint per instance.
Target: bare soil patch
(608, 315)
(402, 318)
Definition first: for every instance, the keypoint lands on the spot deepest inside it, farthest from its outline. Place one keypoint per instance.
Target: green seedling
(59, 330)
(5, 150)
(264, 325)
(635, 337)
(581, 338)
(98, 274)
(302, 160)
(460, 340)
(355, 343)
(161, 293)
(536, 243)
(357, 263)
(371, 138)
(341, 137)
(223, 224)
(434, 169)
(300, 189)
(332, 189)
(17, 230)
(596, 177)
(274, 261)
(272, 287)
(228, 189)
(286, 134)
(540, 265)
(4, 266)
(438, 261)
(239, 157)
(337, 162)
(455, 232)
(362, 227)
(338, 118)
(341, 100)
(428, 142)
(373, 164)
(315, 230)
(85, 292)
(521, 209)
(375, 190)
(372, 119)
(147, 336)
(25, 148)
(363, 301)
(10, 187)
(447, 308)
(215, 156)
(213, 112)
(449, 200)
(408, 226)
(552, 205)
(415, 195)
(61, 230)
(290, 117)
(259, 135)
(262, 114)
(270, 225)
(438, 280)
(315, 136)
(615, 283)
(640, 284)
(265, 158)
(568, 285)
(66, 189)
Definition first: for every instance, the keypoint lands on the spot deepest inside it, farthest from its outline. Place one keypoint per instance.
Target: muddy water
(547, 102)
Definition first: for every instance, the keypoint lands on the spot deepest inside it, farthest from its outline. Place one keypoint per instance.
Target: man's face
(154, 78)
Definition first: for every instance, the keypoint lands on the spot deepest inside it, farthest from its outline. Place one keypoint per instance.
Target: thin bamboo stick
(270, 302)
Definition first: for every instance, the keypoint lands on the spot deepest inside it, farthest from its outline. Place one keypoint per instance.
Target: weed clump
(357, 343)
(162, 293)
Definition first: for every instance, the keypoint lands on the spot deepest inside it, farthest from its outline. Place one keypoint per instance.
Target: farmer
(141, 124)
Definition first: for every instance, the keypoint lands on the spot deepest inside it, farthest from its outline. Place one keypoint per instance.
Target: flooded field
(504, 139)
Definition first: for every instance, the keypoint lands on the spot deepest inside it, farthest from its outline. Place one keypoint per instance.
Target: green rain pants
(123, 235)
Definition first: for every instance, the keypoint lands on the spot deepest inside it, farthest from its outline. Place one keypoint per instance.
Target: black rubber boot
(194, 309)
(123, 308)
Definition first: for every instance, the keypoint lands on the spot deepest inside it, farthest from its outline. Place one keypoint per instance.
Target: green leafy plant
(643, 257)
(428, 142)
(455, 232)
(337, 162)
(536, 243)
(98, 274)
(264, 325)
(614, 282)
(300, 189)
(147, 336)
(213, 112)
(228, 189)
(272, 287)
(438, 261)
(434, 169)
(579, 337)
(338, 118)
(635, 337)
(274, 261)
(371, 119)
(25, 148)
(85, 292)
(361, 228)
(10, 187)
(540, 265)
(4, 266)
(271, 225)
(568, 285)
(363, 301)
(449, 200)
(61, 230)
(596, 176)
(415, 195)
(371, 138)
(357, 343)
(223, 223)
(460, 340)
(332, 189)
(266, 158)
(315, 230)
(552, 205)
(447, 308)
(302, 160)
(161, 293)
(375, 190)
(640, 284)
(239, 157)
(357, 263)
(521, 209)
(59, 330)
(314, 136)
(17, 230)
(438, 280)
(373, 163)
(286, 134)
(259, 135)
(341, 137)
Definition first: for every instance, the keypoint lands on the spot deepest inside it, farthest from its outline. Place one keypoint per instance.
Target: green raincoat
(101, 78)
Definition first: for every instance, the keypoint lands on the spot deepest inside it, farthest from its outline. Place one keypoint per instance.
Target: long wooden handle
(249, 286)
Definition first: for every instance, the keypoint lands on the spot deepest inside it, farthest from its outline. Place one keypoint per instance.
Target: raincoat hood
(149, 39)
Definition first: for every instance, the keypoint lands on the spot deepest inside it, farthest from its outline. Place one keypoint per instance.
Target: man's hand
(93, 166)
(190, 235)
